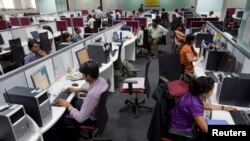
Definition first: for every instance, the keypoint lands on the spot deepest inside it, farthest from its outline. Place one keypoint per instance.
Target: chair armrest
(135, 70)
(164, 79)
(180, 133)
(130, 81)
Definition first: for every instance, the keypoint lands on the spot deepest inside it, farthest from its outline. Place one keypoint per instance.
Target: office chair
(144, 88)
(48, 28)
(17, 51)
(159, 129)
(169, 68)
(101, 119)
(145, 44)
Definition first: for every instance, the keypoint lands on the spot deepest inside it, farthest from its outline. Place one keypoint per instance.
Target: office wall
(85, 4)
(204, 6)
(243, 34)
(61, 5)
(47, 6)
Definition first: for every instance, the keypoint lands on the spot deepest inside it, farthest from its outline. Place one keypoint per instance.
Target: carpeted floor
(122, 126)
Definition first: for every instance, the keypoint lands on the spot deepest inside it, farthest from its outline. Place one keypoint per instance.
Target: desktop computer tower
(14, 124)
(35, 102)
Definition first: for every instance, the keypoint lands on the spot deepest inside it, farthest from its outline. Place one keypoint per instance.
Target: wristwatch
(222, 107)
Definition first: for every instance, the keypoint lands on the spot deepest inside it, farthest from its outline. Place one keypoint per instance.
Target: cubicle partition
(242, 55)
(56, 64)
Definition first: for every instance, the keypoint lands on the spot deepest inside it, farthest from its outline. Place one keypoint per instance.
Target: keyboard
(240, 117)
(63, 95)
(211, 74)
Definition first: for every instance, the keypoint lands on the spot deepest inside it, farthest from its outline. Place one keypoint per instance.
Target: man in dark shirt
(76, 37)
(35, 52)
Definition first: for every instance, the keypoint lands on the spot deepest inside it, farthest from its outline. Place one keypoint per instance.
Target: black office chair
(169, 67)
(145, 45)
(44, 42)
(17, 51)
(136, 105)
(95, 132)
(165, 96)
(48, 28)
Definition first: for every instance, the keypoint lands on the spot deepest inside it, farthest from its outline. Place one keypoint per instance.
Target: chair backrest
(170, 66)
(147, 85)
(44, 42)
(101, 112)
(48, 28)
(145, 39)
(17, 51)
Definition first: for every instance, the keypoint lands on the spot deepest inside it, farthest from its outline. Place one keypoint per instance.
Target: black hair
(65, 35)
(76, 28)
(189, 39)
(133, 11)
(31, 42)
(211, 12)
(156, 21)
(163, 9)
(178, 24)
(90, 68)
(201, 85)
(141, 4)
(176, 10)
(142, 27)
(1, 17)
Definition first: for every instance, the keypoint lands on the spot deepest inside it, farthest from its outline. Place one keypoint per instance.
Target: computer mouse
(75, 84)
(82, 95)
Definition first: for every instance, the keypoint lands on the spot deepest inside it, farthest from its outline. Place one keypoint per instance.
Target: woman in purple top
(189, 110)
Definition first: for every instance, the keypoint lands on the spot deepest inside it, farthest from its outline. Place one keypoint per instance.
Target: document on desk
(138, 85)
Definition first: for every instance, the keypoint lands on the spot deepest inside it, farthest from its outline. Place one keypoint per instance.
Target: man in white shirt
(156, 32)
(90, 23)
(118, 15)
(98, 16)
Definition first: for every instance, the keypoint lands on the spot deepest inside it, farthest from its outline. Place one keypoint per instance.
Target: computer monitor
(227, 62)
(240, 14)
(40, 78)
(116, 37)
(208, 38)
(82, 56)
(1, 40)
(35, 35)
(127, 28)
(235, 91)
(101, 29)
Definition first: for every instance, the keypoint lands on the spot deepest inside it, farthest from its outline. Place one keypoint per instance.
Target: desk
(35, 131)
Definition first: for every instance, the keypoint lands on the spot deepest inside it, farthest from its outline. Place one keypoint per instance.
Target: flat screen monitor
(127, 28)
(240, 14)
(208, 38)
(96, 53)
(1, 40)
(35, 35)
(235, 91)
(82, 56)
(116, 37)
(227, 62)
(40, 78)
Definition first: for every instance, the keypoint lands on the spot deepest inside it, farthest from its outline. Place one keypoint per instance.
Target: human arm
(208, 106)
(191, 58)
(42, 53)
(201, 122)
(164, 30)
(77, 90)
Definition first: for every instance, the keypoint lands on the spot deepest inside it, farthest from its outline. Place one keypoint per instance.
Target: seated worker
(189, 110)
(211, 14)
(188, 55)
(202, 30)
(77, 37)
(133, 14)
(179, 39)
(66, 38)
(35, 52)
(139, 35)
(98, 85)
(90, 24)
(156, 32)
(177, 13)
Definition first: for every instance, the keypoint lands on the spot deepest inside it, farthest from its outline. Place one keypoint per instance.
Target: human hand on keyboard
(76, 90)
(229, 109)
(63, 103)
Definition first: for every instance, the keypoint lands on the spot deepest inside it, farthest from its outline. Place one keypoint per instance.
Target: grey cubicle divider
(19, 33)
(30, 29)
(7, 35)
(21, 76)
(239, 52)
(62, 61)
